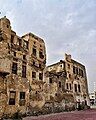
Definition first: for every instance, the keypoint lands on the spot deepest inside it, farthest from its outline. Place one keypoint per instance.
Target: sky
(67, 26)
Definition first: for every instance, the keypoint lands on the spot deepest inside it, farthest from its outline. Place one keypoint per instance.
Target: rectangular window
(22, 95)
(63, 87)
(41, 76)
(22, 99)
(1, 38)
(59, 84)
(67, 86)
(34, 51)
(79, 89)
(74, 69)
(69, 75)
(20, 42)
(12, 98)
(79, 71)
(82, 73)
(50, 80)
(25, 44)
(33, 74)
(23, 71)
(14, 68)
(75, 87)
(41, 54)
(70, 86)
(24, 57)
(15, 54)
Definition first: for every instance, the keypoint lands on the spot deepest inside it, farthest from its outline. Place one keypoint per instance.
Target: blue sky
(67, 26)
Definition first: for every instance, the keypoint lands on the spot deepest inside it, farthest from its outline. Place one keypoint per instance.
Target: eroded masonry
(22, 60)
(27, 84)
(67, 83)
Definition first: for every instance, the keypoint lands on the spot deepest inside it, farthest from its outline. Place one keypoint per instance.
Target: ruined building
(68, 78)
(55, 79)
(22, 61)
(25, 81)
(76, 80)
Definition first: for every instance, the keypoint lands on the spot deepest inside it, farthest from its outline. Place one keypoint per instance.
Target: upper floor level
(29, 43)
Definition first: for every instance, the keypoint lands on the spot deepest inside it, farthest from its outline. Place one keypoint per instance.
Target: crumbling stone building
(76, 80)
(22, 61)
(53, 75)
(26, 83)
(73, 85)
(55, 79)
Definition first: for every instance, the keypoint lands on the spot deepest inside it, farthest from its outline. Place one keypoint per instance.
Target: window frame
(14, 67)
(75, 87)
(24, 57)
(34, 51)
(33, 75)
(12, 100)
(60, 85)
(41, 56)
(24, 71)
(50, 80)
(67, 86)
(40, 76)
(22, 95)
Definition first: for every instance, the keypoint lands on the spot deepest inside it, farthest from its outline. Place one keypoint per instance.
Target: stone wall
(17, 62)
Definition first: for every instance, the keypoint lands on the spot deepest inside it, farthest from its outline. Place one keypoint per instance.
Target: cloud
(66, 26)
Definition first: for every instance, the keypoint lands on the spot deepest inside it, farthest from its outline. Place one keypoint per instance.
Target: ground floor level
(17, 95)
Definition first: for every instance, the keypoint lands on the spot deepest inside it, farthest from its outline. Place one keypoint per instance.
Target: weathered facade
(55, 79)
(73, 85)
(22, 61)
(53, 76)
(76, 80)
(26, 83)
